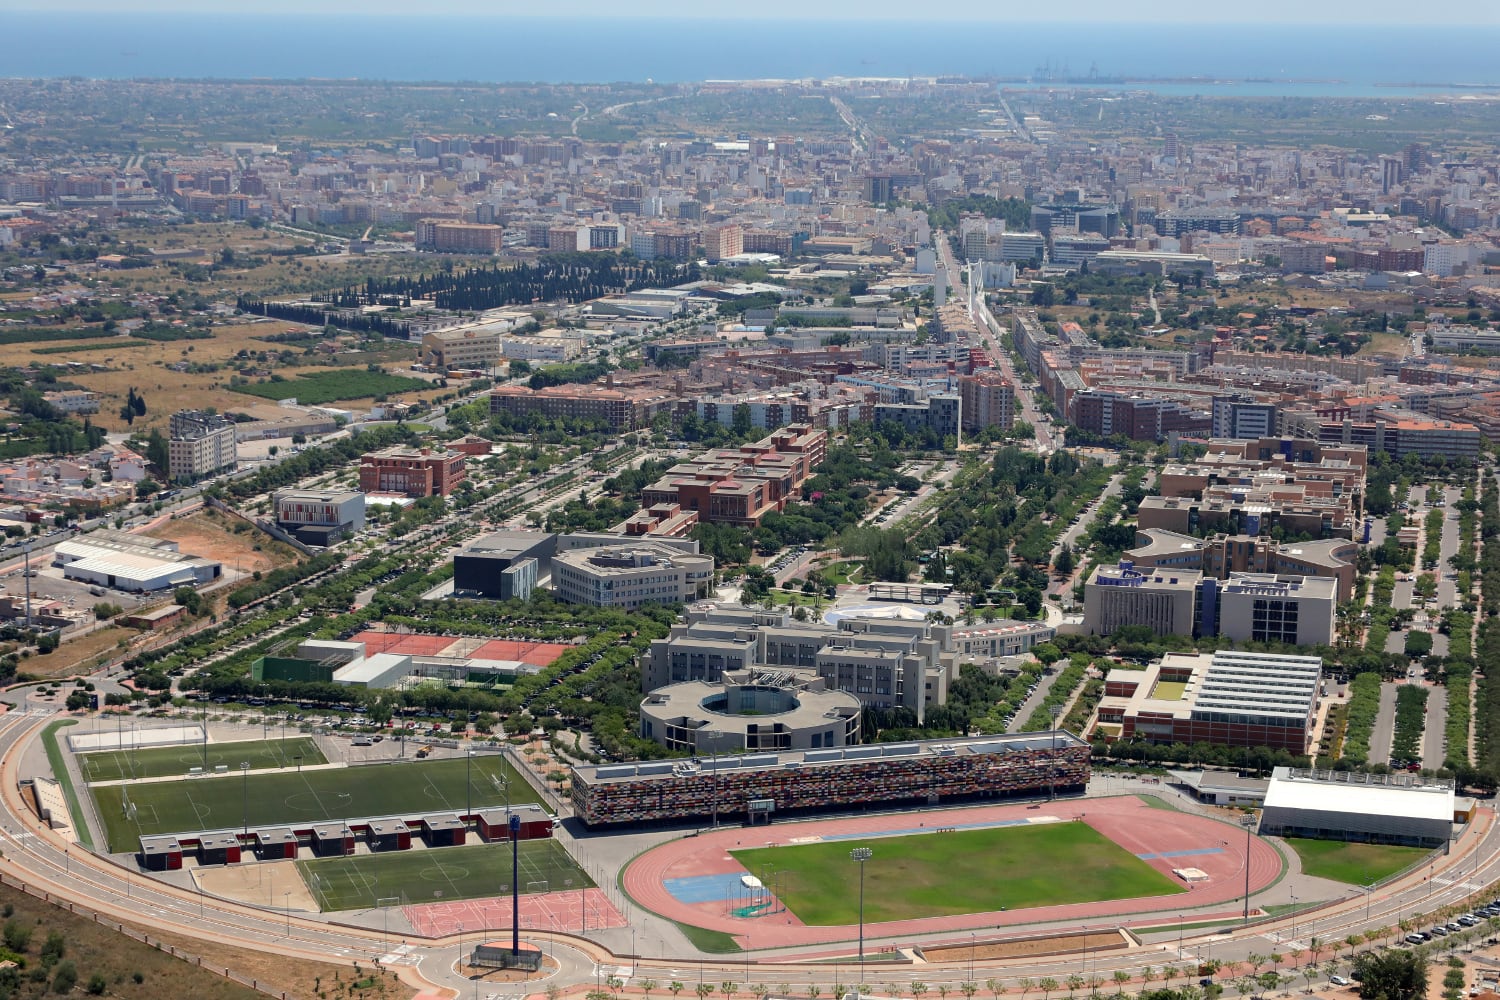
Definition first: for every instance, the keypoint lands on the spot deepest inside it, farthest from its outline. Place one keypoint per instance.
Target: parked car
(1338, 980)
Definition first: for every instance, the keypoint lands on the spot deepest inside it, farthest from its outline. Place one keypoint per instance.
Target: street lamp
(468, 787)
(861, 854)
(973, 943)
(288, 897)
(1248, 822)
(1294, 920)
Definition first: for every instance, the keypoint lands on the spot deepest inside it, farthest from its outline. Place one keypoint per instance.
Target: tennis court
(540, 654)
(279, 798)
(162, 762)
(444, 873)
(404, 644)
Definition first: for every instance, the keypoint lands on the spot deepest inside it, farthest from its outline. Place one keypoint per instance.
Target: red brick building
(416, 473)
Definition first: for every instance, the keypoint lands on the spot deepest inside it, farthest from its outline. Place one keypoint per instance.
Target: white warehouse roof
(1404, 795)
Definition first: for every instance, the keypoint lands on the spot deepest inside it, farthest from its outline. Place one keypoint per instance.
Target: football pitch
(278, 798)
(964, 871)
(163, 762)
(444, 873)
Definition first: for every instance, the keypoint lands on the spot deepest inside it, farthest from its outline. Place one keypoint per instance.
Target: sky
(1362, 13)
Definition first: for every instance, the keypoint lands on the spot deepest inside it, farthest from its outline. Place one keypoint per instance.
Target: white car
(1338, 980)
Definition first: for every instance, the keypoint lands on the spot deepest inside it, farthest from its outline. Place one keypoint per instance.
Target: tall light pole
(468, 787)
(245, 789)
(1248, 822)
(973, 943)
(861, 854)
(1052, 766)
(1294, 922)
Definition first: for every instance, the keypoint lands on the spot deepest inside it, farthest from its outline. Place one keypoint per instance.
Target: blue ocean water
(1252, 59)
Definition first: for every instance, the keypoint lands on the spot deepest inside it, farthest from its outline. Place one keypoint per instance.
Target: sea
(1214, 60)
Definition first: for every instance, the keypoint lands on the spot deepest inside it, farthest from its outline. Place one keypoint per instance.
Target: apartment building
(199, 444)
(723, 241)
(448, 236)
(411, 472)
(621, 410)
(986, 399)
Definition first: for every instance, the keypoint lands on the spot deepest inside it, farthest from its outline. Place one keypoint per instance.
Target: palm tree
(704, 990)
(1046, 984)
(943, 989)
(729, 989)
(675, 988)
(647, 985)
(918, 988)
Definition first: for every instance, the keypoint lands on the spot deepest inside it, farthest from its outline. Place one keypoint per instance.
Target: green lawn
(331, 385)
(968, 871)
(425, 876)
(275, 798)
(60, 772)
(1356, 864)
(162, 762)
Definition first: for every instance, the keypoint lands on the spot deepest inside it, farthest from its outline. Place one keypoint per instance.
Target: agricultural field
(967, 871)
(277, 798)
(313, 388)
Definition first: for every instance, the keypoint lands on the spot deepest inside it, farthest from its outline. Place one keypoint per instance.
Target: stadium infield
(164, 762)
(217, 802)
(936, 874)
(449, 873)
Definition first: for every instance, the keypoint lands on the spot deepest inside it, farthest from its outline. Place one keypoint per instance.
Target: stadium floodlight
(245, 785)
(1248, 822)
(861, 854)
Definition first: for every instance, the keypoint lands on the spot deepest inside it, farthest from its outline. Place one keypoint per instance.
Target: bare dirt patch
(83, 655)
(211, 535)
(272, 884)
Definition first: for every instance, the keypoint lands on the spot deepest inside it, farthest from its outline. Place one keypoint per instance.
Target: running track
(1165, 839)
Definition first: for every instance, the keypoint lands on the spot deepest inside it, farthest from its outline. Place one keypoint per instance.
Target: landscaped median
(60, 772)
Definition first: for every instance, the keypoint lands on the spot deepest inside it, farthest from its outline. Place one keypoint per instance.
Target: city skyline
(1176, 12)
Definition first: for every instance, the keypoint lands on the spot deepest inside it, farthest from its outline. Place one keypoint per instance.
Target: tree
(995, 986)
(1063, 564)
(675, 987)
(1046, 984)
(1391, 975)
(703, 990)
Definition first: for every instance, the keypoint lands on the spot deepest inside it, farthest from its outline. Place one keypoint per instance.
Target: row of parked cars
(1467, 920)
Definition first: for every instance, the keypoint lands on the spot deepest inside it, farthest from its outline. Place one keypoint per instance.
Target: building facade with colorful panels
(770, 785)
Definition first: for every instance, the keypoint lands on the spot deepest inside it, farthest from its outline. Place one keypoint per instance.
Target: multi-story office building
(750, 711)
(740, 486)
(199, 444)
(1266, 607)
(630, 575)
(320, 517)
(462, 348)
(1163, 600)
(1227, 698)
(412, 472)
(1236, 418)
(1220, 555)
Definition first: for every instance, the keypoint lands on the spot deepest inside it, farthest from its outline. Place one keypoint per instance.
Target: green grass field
(426, 876)
(1356, 864)
(282, 797)
(162, 762)
(968, 871)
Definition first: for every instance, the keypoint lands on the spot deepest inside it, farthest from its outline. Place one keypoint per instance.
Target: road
(1433, 749)
(1070, 536)
(1383, 733)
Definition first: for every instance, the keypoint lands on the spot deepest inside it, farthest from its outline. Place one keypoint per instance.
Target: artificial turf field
(278, 798)
(1356, 864)
(427, 876)
(162, 762)
(965, 871)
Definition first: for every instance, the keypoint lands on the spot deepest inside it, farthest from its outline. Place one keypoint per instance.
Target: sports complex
(985, 867)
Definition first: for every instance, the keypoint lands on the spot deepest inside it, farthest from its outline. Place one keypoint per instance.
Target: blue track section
(1181, 854)
(705, 888)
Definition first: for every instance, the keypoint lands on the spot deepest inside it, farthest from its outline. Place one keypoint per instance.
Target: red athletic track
(541, 912)
(1129, 822)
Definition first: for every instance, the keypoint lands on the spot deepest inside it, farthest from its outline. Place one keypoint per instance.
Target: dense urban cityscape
(865, 535)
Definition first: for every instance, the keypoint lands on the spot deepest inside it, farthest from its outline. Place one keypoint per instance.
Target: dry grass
(82, 655)
(210, 534)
